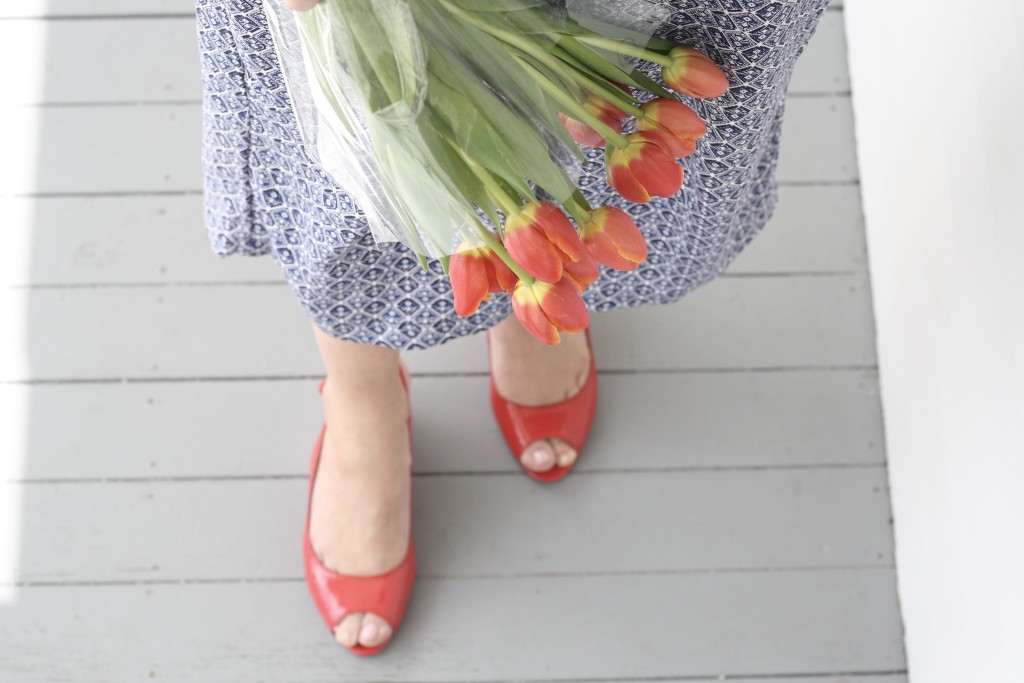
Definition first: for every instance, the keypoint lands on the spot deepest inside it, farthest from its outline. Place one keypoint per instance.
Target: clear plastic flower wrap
(389, 93)
(454, 124)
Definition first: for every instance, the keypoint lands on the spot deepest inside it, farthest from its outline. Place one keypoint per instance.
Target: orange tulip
(693, 74)
(583, 273)
(544, 309)
(643, 168)
(474, 274)
(610, 115)
(611, 237)
(539, 238)
(584, 134)
(499, 275)
(678, 125)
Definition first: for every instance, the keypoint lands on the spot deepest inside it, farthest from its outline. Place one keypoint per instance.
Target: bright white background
(938, 101)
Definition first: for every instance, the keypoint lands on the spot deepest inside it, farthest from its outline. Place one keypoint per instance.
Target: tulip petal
(582, 133)
(530, 247)
(676, 126)
(557, 228)
(544, 308)
(562, 304)
(603, 249)
(612, 237)
(622, 229)
(528, 312)
(503, 278)
(693, 74)
(654, 169)
(674, 147)
(470, 287)
(620, 177)
(673, 116)
(583, 272)
(535, 254)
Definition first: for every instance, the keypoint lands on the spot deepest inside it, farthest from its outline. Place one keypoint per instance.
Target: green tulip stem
(579, 207)
(508, 206)
(553, 63)
(575, 108)
(527, 46)
(628, 108)
(624, 48)
(601, 89)
(618, 103)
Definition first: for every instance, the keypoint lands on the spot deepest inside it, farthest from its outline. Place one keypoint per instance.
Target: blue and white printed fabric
(264, 197)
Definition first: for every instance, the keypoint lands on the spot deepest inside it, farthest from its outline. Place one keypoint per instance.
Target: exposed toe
(539, 456)
(545, 455)
(362, 628)
(375, 631)
(565, 455)
(348, 629)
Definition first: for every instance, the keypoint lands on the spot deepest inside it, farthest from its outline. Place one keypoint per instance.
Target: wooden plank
(118, 240)
(239, 331)
(574, 628)
(817, 141)
(467, 525)
(110, 240)
(837, 678)
(101, 149)
(156, 148)
(127, 61)
(258, 428)
(94, 8)
(815, 229)
(156, 60)
(823, 68)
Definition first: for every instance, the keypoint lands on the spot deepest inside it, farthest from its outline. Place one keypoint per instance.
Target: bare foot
(359, 512)
(531, 373)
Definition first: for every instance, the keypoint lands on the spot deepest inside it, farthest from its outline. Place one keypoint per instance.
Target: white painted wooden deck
(730, 519)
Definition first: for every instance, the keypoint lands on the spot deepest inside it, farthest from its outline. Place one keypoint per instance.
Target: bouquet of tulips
(460, 123)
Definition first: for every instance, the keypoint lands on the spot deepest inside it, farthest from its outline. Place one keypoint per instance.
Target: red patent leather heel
(335, 594)
(568, 420)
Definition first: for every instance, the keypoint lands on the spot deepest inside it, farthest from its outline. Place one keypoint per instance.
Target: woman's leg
(359, 513)
(532, 373)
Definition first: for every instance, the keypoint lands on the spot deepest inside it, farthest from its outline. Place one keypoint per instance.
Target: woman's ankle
(530, 372)
(356, 365)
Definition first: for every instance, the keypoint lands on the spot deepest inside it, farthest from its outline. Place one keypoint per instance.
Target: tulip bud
(583, 273)
(693, 74)
(611, 237)
(539, 238)
(643, 169)
(475, 273)
(610, 115)
(677, 126)
(544, 309)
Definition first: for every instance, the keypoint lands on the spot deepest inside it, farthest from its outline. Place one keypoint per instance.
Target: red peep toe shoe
(568, 420)
(336, 595)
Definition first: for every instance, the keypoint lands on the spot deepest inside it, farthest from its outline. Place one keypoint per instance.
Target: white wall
(939, 98)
